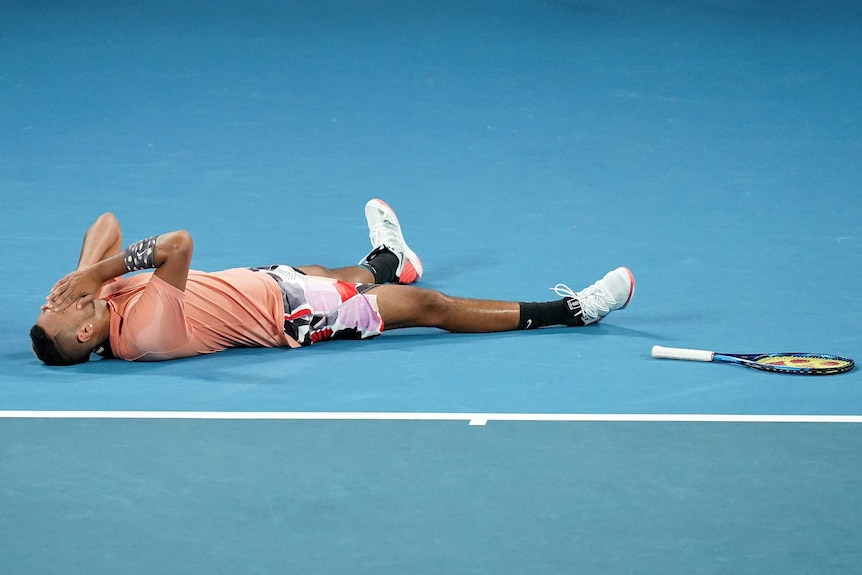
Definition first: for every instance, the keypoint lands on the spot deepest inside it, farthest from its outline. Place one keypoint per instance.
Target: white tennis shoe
(384, 230)
(612, 292)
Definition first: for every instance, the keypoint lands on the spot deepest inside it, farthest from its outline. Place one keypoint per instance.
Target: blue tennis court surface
(712, 147)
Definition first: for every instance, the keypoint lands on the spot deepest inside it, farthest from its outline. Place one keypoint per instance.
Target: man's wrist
(109, 268)
(141, 255)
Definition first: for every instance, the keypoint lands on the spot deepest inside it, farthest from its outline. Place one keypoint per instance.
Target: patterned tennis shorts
(317, 309)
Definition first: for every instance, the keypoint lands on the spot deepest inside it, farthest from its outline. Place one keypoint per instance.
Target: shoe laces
(595, 301)
(386, 233)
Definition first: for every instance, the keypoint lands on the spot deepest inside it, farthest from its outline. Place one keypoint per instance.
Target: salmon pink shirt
(152, 320)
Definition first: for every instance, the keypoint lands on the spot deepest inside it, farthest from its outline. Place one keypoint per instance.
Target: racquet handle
(681, 353)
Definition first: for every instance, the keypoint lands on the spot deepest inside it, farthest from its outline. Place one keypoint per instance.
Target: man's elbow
(106, 224)
(178, 244)
(108, 218)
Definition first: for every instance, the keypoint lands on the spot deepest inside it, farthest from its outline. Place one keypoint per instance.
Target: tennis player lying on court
(174, 312)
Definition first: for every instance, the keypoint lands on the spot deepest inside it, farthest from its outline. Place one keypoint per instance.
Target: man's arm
(103, 239)
(171, 256)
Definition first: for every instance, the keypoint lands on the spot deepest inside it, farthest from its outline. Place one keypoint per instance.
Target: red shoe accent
(408, 273)
(632, 290)
(388, 207)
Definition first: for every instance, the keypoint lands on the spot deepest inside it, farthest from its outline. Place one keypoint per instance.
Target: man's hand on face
(79, 287)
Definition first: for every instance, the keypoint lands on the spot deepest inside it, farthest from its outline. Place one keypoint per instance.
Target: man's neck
(102, 321)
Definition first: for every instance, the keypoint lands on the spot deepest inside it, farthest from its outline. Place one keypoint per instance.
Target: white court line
(471, 418)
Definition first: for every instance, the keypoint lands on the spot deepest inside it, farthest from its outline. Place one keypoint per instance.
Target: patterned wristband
(141, 255)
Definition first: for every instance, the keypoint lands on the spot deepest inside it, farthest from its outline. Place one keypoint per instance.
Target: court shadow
(276, 366)
(454, 268)
(414, 338)
(423, 337)
(629, 332)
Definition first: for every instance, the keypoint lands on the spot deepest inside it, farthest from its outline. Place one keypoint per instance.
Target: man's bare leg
(409, 306)
(350, 274)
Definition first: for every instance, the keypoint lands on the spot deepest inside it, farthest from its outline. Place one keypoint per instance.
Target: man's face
(66, 322)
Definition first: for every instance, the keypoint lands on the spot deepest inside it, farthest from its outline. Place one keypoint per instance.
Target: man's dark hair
(46, 349)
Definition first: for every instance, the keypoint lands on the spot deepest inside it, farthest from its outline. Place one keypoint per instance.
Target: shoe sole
(412, 269)
(631, 289)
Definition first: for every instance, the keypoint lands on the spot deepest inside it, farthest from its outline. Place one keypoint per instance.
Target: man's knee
(433, 306)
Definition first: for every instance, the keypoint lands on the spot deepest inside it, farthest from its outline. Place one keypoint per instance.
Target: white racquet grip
(681, 353)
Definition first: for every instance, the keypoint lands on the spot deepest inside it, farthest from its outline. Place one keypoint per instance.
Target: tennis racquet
(795, 363)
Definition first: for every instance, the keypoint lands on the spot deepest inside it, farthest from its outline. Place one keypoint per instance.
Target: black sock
(382, 262)
(566, 311)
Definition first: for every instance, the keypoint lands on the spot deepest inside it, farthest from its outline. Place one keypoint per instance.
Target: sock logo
(529, 323)
(574, 304)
